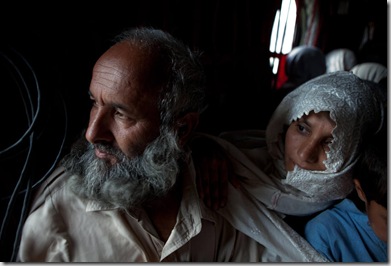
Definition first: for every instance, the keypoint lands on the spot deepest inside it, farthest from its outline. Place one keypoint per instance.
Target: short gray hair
(180, 72)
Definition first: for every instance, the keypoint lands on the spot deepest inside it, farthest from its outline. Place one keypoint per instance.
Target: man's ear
(186, 126)
(359, 190)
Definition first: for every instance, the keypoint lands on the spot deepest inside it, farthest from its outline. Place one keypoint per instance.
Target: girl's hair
(371, 169)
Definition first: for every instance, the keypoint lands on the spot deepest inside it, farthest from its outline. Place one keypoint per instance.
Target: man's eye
(93, 102)
(120, 115)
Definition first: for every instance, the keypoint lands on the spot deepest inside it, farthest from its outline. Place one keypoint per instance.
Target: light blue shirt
(343, 234)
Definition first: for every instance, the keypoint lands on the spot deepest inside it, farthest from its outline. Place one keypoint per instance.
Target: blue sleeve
(316, 233)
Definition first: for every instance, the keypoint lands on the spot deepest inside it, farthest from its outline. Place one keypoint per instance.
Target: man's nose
(99, 127)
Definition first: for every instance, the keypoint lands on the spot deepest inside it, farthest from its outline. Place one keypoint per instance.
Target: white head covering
(340, 59)
(371, 71)
(353, 106)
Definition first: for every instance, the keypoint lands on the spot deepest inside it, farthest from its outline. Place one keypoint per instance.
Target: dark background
(61, 41)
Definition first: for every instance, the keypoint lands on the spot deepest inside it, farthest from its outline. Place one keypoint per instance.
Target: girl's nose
(309, 152)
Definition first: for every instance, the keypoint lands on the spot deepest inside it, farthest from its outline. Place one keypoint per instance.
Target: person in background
(340, 59)
(371, 71)
(349, 232)
(374, 73)
(302, 64)
(127, 190)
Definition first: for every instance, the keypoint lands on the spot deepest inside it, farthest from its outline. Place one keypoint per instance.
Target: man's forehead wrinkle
(103, 84)
(113, 70)
(111, 74)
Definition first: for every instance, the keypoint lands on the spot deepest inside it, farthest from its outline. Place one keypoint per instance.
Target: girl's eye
(302, 129)
(326, 144)
(328, 141)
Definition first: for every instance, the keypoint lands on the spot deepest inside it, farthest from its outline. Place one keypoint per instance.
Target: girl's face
(307, 141)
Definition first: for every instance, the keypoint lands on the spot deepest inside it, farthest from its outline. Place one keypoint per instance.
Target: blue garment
(343, 234)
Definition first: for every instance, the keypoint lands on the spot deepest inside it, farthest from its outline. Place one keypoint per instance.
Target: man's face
(124, 113)
(124, 159)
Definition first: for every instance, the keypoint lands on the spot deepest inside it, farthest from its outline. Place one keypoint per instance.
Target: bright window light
(273, 38)
(283, 30)
(290, 25)
(274, 62)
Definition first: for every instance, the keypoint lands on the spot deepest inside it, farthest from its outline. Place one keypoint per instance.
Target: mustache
(109, 149)
(105, 148)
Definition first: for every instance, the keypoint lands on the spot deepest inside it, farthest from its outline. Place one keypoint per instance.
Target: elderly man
(126, 192)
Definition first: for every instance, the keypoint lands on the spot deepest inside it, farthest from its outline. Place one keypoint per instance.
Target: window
(282, 33)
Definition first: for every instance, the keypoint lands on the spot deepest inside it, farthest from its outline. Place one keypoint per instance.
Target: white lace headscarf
(356, 110)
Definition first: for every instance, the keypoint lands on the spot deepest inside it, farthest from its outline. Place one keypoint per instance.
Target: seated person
(371, 71)
(340, 59)
(349, 232)
(126, 192)
(301, 164)
(374, 73)
(302, 64)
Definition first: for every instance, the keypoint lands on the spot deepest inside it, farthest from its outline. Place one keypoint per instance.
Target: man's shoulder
(53, 183)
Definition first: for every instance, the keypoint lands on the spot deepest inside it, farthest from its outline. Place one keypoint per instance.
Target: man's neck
(163, 212)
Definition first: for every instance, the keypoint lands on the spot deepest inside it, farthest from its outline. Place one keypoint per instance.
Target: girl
(301, 164)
